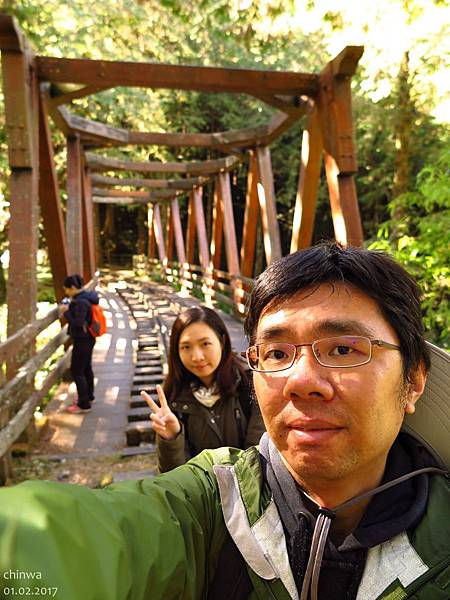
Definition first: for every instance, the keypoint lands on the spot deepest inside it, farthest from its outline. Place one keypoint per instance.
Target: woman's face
(200, 351)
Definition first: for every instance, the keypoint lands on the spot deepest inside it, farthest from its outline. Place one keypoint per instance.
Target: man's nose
(307, 378)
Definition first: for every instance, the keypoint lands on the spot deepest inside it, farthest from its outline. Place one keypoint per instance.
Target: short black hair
(73, 280)
(375, 273)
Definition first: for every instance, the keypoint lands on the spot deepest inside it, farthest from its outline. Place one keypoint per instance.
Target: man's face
(331, 424)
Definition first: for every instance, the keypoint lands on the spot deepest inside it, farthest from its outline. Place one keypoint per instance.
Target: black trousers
(81, 369)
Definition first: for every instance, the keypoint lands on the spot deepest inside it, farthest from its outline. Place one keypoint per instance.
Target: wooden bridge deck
(102, 431)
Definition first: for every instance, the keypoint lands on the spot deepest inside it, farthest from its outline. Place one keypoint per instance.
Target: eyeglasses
(343, 351)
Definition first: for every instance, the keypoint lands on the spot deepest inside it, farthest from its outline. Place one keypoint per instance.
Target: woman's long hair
(179, 377)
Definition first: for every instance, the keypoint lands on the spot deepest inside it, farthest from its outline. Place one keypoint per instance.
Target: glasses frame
(379, 343)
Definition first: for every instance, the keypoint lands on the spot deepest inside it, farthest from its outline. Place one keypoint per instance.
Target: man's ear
(416, 385)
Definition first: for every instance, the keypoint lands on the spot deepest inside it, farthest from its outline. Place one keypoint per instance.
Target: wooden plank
(74, 215)
(197, 140)
(92, 129)
(229, 227)
(27, 373)
(89, 262)
(153, 75)
(186, 183)
(308, 184)
(267, 204)
(50, 203)
(178, 232)
(25, 336)
(242, 137)
(59, 95)
(217, 228)
(207, 167)
(250, 218)
(121, 193)
(203, 252)
(11, 36)
(174, 184)
(58, 115)
(125, 200)
(164, 194)
(96, 162)
(281, 123)
(346, 62)
(287, 104)
(22, 418)
(137, 182)
(159, 235)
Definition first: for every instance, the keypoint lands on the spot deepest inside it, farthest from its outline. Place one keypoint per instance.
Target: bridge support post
(20, 87)
(308, 183)
(50, 202)
(250, 227)
(178, 234)
(267, 204)
(74, 211)
(335, 113)
(159, 238)
(216, 233)
(89, 262)
(229, 231)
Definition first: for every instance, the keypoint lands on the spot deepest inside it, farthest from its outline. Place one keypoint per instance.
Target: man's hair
(375, 273)
(179, 377)
(73, 281)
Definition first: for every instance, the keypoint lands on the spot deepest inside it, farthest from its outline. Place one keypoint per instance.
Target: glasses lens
(274, 356)
(343, 351)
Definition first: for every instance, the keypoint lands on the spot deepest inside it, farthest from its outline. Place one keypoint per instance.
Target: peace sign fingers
(165, 423)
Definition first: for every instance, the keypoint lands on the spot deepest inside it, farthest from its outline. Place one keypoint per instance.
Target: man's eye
(341, 350)
(274, 354)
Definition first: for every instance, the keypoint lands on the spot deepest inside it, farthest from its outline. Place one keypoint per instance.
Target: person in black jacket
(205, 401)
(78, 313)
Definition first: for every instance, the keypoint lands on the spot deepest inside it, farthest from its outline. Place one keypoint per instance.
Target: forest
(400, 103)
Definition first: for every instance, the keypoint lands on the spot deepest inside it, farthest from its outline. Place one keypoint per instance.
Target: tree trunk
(404, 116)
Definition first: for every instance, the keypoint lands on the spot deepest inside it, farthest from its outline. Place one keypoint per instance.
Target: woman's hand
(165, 423)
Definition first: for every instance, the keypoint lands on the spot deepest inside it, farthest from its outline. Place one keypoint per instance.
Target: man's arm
(132, 541)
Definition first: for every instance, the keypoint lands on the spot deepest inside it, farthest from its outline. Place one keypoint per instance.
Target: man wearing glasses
(339, 501)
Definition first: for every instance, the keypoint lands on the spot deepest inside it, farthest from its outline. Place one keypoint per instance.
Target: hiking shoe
(75, 401)
(74, 409)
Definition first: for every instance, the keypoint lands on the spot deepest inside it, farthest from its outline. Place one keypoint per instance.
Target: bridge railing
(28, 375)
(219, 287)
(20, 395)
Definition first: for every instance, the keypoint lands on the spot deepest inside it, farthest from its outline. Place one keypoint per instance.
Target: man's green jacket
(161, 538)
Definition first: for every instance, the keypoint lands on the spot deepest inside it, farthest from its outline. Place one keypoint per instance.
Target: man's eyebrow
(270, 334)
(344, 327)
(322, 329)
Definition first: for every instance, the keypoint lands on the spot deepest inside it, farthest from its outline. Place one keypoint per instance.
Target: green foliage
(420, 240)
(273, 34)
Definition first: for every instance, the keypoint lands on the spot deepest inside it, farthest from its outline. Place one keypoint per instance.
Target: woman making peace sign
(205, 401)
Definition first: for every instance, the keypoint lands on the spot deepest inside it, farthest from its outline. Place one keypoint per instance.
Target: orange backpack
(98, 322)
